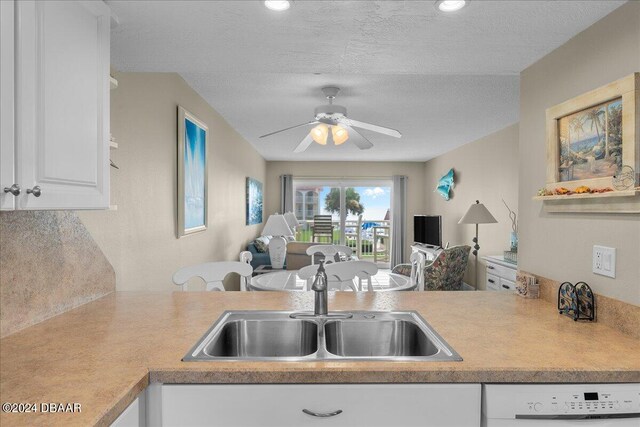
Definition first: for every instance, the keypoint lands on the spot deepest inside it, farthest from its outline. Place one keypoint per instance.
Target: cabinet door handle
(492, 281)
(322, 414)
(490, 267)
(14, 189)
(36, 191)
(505, 286)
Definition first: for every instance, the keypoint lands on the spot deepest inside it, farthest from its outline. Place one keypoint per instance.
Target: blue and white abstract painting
(254, 201)
(194, 175)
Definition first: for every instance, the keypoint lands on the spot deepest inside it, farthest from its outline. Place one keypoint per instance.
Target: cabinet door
(134, 415)
(7, 141)
(360, 405)
(493, 282)
(62, 104)
(507, 285)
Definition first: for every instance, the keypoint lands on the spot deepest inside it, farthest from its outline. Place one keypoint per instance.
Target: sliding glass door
(359, 213)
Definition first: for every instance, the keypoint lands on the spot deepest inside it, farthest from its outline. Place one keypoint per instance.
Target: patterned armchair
(445, 273)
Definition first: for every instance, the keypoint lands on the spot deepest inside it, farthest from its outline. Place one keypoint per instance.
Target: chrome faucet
(320, 310)
(320, 285)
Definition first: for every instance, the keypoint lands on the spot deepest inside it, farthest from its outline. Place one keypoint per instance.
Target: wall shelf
(625, 202)
(625, 193)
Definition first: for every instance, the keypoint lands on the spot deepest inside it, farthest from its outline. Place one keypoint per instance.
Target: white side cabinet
(501, 274)
(311, 405)
(55, 132)
(134, 415)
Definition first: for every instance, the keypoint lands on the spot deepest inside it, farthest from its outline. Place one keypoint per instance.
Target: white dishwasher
(559, 405)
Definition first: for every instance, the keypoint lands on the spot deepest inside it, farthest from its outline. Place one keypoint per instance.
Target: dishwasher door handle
(322, 414)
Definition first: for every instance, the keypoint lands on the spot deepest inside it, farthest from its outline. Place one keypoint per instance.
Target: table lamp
(477, 214)
(277, 227)
(292, 221)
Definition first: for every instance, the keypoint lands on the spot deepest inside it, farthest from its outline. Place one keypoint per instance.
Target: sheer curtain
(286, 193)
(399, 214)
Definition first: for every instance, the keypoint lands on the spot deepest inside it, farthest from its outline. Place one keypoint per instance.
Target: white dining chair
(417, 261)
(246, 257)
(335, 282)
(213, 273)
(346, 272)
(329, 252)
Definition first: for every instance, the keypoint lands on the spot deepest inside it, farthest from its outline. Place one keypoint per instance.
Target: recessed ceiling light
(278, 6)
(450, 5)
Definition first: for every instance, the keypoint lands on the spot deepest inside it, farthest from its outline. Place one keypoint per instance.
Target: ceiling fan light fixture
(320, 133)
(340, 135)
(277, 6)
(450, 5)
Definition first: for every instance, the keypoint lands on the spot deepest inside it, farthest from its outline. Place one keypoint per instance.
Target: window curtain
(399, 215)
(286, 193)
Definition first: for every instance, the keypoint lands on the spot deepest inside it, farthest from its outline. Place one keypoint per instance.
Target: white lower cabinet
(134, 415)
(333, 405)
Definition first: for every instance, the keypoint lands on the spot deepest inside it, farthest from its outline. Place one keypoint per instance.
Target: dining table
(288, 280)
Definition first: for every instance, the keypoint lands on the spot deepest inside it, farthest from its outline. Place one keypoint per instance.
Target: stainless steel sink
(264, 338)
(275, 336)
(384, 338)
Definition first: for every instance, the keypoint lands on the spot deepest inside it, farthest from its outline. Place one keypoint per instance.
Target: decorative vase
(514, 241)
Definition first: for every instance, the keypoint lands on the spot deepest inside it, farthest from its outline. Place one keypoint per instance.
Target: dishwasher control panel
(561, 401)
(599, 400)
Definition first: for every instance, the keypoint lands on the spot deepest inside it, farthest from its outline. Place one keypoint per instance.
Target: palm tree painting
(591, 142)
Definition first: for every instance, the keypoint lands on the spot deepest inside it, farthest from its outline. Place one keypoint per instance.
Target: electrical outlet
(604, 261)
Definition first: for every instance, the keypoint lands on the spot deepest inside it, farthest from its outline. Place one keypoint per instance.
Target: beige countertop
(104, 353)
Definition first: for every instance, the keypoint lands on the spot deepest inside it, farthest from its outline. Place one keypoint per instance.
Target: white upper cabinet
(7, 146)
(61, 64)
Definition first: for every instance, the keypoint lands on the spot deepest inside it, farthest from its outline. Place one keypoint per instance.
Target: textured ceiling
(442, 80)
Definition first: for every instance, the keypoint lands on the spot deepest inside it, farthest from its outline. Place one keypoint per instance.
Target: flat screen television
(427, 230)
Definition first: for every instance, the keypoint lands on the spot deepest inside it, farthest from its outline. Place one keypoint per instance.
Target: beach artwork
(254, 202)
(192, 174)
(591, 142)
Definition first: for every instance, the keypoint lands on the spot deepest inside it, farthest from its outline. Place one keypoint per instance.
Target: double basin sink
(283, 336)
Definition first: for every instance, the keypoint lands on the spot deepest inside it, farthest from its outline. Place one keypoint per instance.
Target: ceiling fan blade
(313, 122)
(356, 137)
(306, 142)
(369, 126)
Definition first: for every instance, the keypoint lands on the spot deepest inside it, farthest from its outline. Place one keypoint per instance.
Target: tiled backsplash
(49, 264)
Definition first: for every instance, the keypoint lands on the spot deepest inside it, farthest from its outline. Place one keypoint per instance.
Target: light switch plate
(604, 261)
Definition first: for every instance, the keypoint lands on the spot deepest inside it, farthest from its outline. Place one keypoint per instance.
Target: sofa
(259, 258)
(297, 255)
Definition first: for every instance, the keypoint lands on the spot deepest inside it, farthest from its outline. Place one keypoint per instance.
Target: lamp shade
(291, 219)
(276, 226)
(477, 214)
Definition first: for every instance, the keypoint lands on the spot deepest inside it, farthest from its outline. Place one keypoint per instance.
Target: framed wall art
(192, 173)
(590, 139)
(253, 201)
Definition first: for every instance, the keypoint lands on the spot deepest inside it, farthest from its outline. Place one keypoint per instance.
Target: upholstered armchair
(445, 273)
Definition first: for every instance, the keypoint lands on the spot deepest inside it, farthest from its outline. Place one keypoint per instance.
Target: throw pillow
(262, 244)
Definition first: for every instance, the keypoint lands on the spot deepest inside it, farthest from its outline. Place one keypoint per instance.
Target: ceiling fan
(333, 126)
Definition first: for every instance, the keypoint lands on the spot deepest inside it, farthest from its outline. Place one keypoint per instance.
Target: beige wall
(139, 239)
(485, 170)
(413, 170)
(559, 246)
